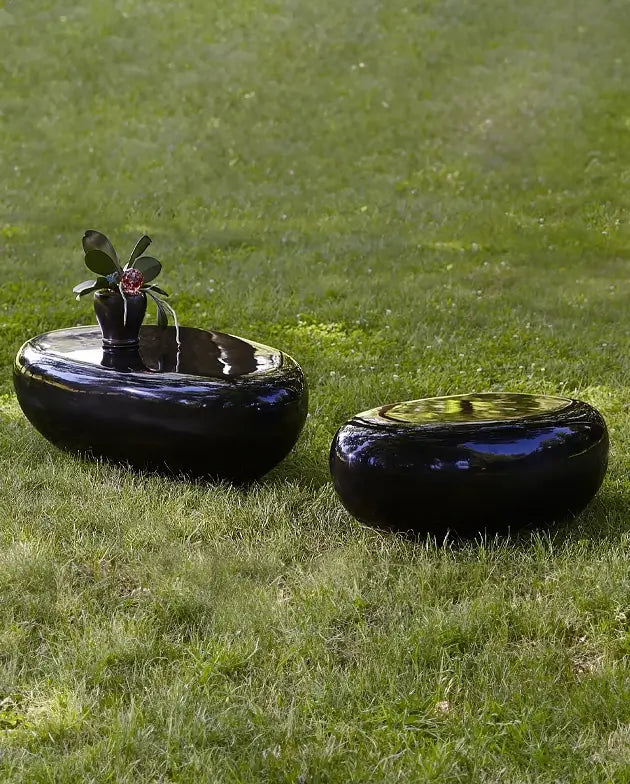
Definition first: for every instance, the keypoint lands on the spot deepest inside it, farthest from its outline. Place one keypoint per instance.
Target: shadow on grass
(295, 469)
(605, 519)
(301, 469)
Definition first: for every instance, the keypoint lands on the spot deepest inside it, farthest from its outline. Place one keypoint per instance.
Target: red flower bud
(131, 281)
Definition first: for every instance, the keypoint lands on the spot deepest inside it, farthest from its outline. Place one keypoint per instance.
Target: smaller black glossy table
(470, 463)
(212, 404)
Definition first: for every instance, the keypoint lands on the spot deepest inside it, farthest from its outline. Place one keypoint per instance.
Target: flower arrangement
(129, 281)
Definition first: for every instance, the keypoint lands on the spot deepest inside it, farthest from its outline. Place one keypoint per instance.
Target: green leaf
(100, 262)
(148, 266)
(142, 244)
(88, 286)
(157, 289)
(94, 240)
(86, 291)
(162, 316)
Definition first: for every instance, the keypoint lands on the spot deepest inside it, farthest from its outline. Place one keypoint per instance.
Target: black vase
(120, 321)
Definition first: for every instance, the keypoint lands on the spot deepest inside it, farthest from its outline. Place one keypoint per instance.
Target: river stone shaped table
(470, 463)
(214, 405)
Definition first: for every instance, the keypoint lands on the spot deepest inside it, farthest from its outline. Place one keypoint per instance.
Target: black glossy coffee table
(212, 404)
(467, 464)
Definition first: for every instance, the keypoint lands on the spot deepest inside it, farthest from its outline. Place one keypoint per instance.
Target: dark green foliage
(148, 266)
(142, 244)
(88, 286)
(162, 316)
(95, 241)
(157, 290)
(99, 262)
(100, 257)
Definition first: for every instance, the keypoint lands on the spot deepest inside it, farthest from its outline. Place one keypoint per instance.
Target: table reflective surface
(470, 463)
(198, 401)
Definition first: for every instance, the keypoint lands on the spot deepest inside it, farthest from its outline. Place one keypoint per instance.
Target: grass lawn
(411, 198)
